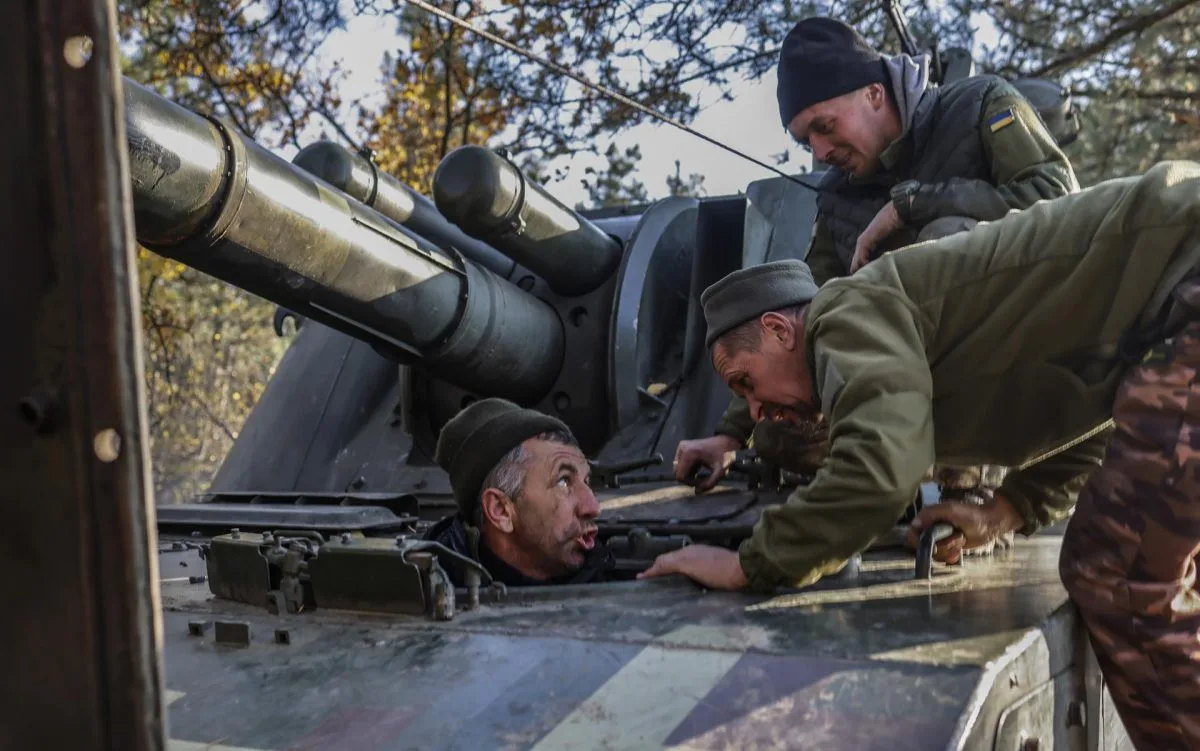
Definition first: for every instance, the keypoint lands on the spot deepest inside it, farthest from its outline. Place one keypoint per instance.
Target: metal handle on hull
(929, 538)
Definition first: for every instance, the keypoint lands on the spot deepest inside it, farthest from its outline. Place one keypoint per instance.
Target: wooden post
(80, 634)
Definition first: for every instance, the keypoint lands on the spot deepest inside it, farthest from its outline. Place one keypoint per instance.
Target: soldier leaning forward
(1015, 344)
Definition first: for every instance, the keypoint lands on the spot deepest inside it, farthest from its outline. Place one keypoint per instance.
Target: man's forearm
(1045, 492)
(1025, 163)
(979, 199)
(859, 494)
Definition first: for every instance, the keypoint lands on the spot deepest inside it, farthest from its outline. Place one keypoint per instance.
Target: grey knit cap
(477, 438)
(748, 293)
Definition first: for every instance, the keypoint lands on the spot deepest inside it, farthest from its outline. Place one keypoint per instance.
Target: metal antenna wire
(604, 90)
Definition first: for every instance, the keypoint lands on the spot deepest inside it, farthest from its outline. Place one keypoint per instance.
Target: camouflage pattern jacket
(1004, 345)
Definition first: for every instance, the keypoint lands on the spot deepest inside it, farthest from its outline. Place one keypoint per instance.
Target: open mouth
(783, 414)
(587, 540)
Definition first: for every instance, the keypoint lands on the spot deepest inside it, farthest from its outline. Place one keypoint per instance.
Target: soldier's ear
(781, 327)
(498, 510)
(876, 96)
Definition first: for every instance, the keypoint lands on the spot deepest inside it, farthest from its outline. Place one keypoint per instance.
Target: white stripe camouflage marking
(170, 698)
(174, 745)
(643, 703)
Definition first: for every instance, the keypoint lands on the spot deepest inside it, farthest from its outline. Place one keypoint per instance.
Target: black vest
(944, 142)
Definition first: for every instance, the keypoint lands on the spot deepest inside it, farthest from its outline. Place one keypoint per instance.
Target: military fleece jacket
(1000, 346)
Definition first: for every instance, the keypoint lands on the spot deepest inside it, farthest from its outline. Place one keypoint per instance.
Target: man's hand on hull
(715, 452)
(713, 567)
(974, 525)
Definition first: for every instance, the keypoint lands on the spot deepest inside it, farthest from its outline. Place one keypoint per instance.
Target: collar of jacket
(913, 95)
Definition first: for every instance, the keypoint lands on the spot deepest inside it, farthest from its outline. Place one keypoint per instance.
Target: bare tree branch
(1117, 33)
(1156, 95)
(220, 91)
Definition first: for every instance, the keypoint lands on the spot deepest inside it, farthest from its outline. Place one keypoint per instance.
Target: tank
(302, 609)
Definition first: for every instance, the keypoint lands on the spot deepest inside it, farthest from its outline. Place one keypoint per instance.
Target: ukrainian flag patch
(1001, 120)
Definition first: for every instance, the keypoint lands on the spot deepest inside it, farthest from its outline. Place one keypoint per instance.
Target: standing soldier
(909, 162)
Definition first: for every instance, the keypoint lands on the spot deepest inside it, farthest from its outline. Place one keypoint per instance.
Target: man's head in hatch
(833, 95)
(520, 476)
(756, 330)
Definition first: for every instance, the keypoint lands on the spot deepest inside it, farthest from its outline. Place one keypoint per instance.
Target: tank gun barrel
(358, 177)
(208, 197)
(491, 199)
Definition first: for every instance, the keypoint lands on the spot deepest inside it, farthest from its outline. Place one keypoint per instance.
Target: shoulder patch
(1001, 119)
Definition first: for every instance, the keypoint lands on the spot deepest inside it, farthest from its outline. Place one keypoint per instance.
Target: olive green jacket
(997, 346)
(1026, 166)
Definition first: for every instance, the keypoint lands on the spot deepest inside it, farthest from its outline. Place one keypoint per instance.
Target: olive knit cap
(477, 438)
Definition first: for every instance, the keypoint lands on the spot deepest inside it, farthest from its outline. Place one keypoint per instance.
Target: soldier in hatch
(909, 162)
(525, 510)
(1014, 343)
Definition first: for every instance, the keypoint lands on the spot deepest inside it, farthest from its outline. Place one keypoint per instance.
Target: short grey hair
(747, 337)
(508, 476)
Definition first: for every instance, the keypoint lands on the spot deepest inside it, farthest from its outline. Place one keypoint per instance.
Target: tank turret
(494, 288)
(208, 197)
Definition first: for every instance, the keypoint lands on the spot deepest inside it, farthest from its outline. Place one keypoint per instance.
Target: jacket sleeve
(1045, 492)
(875, 387)
(1026, 166)
(822, 257)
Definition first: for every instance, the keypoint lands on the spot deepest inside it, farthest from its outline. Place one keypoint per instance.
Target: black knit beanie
(821, 59)
(748, 293)
(478, 437)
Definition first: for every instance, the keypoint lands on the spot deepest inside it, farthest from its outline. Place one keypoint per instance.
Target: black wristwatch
(902, 195)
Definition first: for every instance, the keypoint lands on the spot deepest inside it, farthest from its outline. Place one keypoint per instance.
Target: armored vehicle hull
(988, 655)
